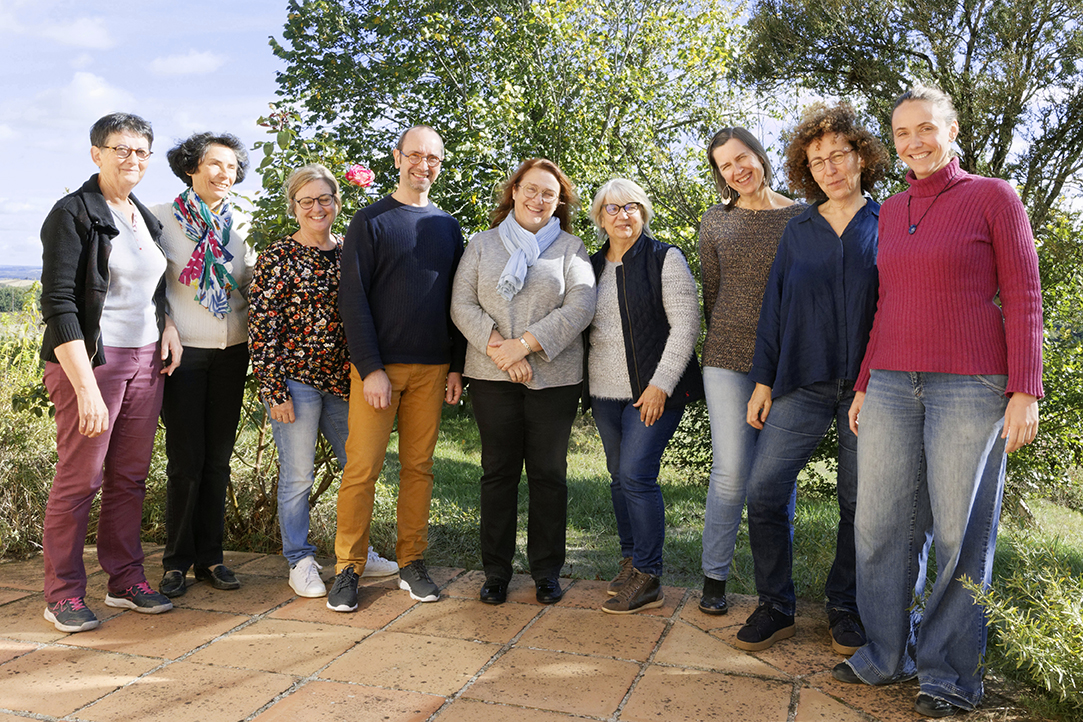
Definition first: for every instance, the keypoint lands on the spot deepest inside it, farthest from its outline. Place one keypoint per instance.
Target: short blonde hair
(304, 175)
(620, 191)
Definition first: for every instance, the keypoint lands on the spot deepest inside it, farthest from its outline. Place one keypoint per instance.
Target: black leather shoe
(845, 673)
(494, 591)
(548, 591)
(219, 576)
(930, 706)
(172, 584)
(713, 600)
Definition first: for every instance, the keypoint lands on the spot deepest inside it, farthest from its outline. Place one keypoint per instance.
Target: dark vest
(643, 318)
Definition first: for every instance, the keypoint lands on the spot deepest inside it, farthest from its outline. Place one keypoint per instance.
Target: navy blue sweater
(398, 262)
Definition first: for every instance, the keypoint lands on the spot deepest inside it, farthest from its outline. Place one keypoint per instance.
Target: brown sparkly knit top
(736, 249)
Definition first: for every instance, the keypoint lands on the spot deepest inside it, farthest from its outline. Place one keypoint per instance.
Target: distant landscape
(22, 273)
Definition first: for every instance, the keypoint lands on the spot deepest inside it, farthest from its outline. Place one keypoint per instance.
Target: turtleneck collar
(935, 183)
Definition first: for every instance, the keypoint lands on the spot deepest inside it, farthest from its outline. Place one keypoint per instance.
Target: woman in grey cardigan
(523, 294)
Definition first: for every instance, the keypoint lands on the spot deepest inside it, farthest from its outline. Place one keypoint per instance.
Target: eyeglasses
(629, 208)
(837, 158)
(326, 200)
(547, 196)
(432, 160)
(124, 151)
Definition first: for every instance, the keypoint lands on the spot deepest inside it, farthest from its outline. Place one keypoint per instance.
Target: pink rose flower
(359, 175)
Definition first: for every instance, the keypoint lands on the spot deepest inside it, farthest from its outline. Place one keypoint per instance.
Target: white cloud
(7, 132)
(90, 33)
(82, 60)
(192, 63)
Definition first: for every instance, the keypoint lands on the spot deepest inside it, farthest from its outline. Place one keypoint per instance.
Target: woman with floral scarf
(209, 270)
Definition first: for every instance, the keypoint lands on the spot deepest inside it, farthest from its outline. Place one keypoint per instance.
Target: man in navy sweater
(398, 263)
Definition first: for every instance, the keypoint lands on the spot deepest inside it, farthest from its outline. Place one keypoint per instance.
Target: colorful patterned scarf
(209, 266)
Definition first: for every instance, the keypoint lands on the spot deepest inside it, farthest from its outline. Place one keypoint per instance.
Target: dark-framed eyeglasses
(326, 200)
(837, 158)
(432, 161)
(629, 208)
(124, 151)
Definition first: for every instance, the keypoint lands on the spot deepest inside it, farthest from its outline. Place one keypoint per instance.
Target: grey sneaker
(343, 594)
(414, 578)
(625, 573)
(141, 598)
(641, 591)
(71, 615)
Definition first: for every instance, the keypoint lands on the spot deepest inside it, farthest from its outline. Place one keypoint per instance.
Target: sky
(186, 67)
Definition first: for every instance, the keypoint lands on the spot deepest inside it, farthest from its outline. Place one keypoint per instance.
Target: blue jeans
(932, 470)
(633, 455)
(732, 443)
(313, 411)
(794, 428)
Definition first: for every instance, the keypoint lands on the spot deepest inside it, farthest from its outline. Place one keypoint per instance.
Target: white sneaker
(305, 579)
(377, 566)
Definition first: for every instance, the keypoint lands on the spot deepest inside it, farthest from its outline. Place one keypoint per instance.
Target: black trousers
(519, 425)
(201, 408)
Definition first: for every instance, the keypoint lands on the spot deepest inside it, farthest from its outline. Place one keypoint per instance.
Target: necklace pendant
(913, 228)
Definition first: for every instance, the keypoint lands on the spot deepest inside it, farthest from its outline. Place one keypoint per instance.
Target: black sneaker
(71, 615)
(930, 706)
(219, 576)
(847, 632)
(625, 573)
(641, 591)
(414, 578)
(141, 598)
(172, 584)
(764, 627)
(843, 672)
(343, 594)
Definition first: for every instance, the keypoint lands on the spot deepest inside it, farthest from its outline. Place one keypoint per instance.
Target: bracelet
(523, 341)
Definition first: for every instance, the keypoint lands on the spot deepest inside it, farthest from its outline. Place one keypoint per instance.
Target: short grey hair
(119, 123)
(620, 191)
(304, 175)
(941, 101)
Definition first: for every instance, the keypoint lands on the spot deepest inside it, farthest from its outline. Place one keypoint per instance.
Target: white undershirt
(136, 265)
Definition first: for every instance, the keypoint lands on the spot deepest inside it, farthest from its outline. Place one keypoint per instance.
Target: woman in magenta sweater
(949, 385)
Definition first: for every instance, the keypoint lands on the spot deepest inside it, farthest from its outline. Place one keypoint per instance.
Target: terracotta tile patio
(262, 653)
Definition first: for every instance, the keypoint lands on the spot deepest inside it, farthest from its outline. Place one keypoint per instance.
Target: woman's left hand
(507, 353)
(171, 347)
(651, 404)
(1020, 421)
(521, 372)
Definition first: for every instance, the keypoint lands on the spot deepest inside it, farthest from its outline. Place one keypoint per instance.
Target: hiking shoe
(219, 576)
(414, 578)
(764, 627)
(847, 632)
(71, 615)
(930, 706)
(377, 566)
(305, 579)
(172, 584)
(141, 598)
(713, 600)
(625, 573)
(641, 591)
(343, 594)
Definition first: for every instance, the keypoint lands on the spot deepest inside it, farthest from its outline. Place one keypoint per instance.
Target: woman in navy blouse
(814, 324)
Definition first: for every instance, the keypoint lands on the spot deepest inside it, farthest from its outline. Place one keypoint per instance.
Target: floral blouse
(294, 330)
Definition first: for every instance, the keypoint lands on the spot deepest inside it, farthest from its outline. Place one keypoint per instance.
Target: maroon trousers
(116, 462)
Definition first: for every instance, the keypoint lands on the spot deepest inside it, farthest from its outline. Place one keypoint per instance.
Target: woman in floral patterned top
(301, 360)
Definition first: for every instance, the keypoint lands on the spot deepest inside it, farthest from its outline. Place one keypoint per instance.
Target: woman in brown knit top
(737, 243)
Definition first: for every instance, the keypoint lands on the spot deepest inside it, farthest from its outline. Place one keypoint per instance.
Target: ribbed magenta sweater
(939, 286)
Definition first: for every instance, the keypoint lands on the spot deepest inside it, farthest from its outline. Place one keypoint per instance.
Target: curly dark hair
(186, 156)
(566, 204)
(818, 120)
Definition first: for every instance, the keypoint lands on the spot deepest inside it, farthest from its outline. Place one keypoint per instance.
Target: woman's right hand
(521, 372)
(855, 409)
(759, 406)
(283, 413)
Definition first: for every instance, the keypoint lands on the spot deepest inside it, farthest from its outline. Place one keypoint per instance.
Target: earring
(727, 195)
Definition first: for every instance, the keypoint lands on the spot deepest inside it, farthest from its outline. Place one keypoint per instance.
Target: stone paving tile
(57, 681)
(688, 646)
(472, 710)
(591, 594)
(168, 635)
(412, 662)
(22, 620)
(27, 575)
(890, 703)
(334, 702)
(589, 631)
(258, 594)
(741, 606)
(281, 645)
(189, 691)
(807, 652)
(815, 706)
(376, 607)
(5, 717)
(11, 650)
(668, 693)
(460, 619)
(555, 681)
(10, 595)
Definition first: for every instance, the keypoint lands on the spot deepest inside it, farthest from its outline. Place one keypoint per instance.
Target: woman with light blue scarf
(523, 295)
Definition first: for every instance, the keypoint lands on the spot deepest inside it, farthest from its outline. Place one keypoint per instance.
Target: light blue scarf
(525, 249)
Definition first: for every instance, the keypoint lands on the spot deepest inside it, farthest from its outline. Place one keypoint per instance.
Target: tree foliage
(602, 87)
